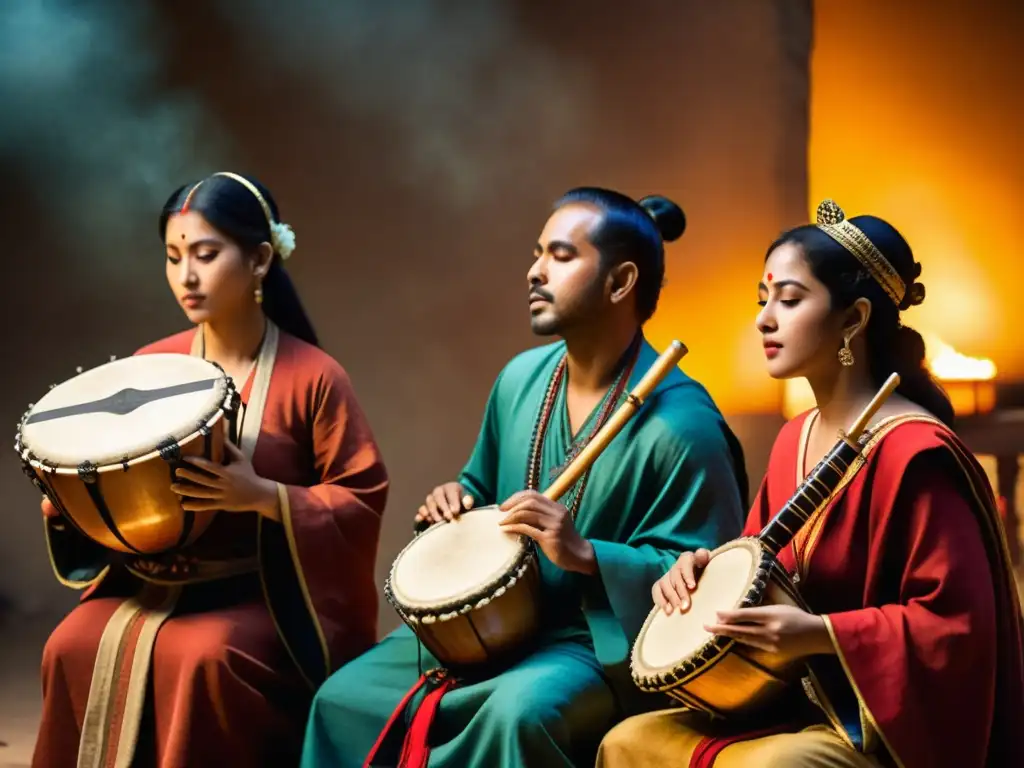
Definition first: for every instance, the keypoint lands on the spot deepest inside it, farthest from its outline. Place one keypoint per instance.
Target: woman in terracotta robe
(236, 632)
(914, 633)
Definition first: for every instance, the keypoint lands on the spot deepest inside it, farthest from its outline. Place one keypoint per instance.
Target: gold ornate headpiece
(832, 220)
(282, 238)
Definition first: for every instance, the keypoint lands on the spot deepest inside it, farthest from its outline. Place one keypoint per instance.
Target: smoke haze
(453, 81)
(88, 125)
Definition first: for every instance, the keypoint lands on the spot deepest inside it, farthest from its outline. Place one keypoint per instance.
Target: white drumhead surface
(670, 639)
(454, 560)
(71, 423)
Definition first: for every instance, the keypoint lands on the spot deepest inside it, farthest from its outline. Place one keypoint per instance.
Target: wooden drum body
(104, 447)
(674, 654)
(470, 591)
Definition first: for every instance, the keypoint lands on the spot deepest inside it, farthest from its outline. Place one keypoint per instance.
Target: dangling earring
(845, 355)
(258, 293)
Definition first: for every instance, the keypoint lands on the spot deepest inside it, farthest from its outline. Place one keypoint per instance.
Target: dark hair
(892, 347)
(633, 231)
(233, 209)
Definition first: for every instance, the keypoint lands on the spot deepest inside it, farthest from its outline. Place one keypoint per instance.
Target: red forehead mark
(769, 277)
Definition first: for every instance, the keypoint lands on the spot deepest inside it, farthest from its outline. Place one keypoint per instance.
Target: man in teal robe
(671, 480)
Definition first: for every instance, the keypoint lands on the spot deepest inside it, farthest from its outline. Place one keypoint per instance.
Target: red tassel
(415, 749)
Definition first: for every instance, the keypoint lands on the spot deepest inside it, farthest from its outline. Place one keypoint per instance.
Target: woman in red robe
(914, 636)
(210, 657)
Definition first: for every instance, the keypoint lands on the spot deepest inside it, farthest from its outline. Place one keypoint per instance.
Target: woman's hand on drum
(783, 629)
(233, 487)
(672, 591)
(549, 524)
(446, 502)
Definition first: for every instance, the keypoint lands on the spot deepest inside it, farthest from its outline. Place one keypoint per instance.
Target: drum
(674, 654)
(104, 447)
(470, 591)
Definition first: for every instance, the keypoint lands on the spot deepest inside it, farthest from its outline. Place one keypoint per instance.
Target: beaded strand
(543, 421)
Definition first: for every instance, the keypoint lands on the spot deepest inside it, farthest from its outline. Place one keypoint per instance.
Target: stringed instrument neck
(824, 480)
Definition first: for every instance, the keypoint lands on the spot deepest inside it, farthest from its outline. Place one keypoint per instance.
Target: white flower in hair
(282, 238)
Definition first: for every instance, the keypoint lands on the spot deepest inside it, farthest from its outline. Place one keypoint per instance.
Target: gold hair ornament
(282, 236)
(832, 221)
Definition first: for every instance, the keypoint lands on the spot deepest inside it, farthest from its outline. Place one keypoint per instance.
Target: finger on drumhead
(665, 593)
(747, 638)
(441, 503)
(523, 513)
(524, 530)
(467, 501)
(679, 590)
(656, 596)
(688, 572)
(516, 499)
(701, 557)
(451, 495)
(432, 509)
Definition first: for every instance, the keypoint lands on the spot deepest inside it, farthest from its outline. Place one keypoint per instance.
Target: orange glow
(946, 364)
(969, 381)
(912, 120)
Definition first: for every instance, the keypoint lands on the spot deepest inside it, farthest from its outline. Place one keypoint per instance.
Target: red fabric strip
(416, 748)
(711, 746)
(393, 719)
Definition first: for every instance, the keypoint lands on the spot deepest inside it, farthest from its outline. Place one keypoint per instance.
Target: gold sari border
(92, 747)
(270, 608)
(286, 521)
(815, 691)
(867, 718)
(816, 523)
(869, 724)
(142, 659)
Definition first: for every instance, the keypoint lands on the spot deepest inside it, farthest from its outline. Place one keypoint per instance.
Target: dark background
(415, 152)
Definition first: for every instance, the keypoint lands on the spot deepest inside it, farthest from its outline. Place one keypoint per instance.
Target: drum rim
(227, 404)
(659, 680)
(468, 601)
(122, 466)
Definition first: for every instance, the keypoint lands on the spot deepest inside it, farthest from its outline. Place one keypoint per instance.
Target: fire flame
(947, 364)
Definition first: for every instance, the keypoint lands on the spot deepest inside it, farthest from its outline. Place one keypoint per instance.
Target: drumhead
(668, 640)
(455, 561)
(123, 410)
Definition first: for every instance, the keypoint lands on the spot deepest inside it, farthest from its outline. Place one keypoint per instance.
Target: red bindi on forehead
(769, 277)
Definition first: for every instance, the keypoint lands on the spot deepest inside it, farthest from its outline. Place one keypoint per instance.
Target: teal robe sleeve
(685, 495)
(479, 478)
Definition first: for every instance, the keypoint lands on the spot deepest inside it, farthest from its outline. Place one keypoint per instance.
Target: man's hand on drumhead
(551, 525)
(446, 502)
(672, 591)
